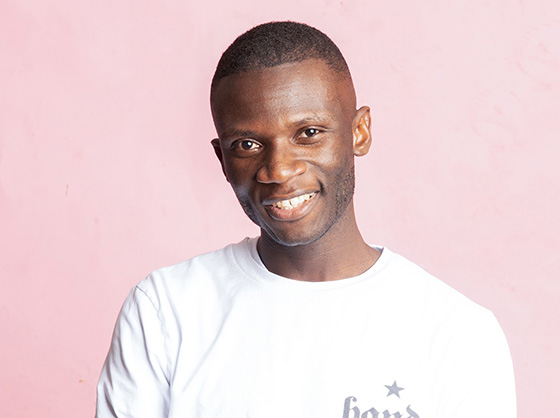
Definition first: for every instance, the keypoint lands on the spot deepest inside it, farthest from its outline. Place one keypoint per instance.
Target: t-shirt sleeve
(134, 382)
(475, 376)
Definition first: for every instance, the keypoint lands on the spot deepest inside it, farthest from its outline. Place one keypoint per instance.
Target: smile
(291, 209)
(293, 202)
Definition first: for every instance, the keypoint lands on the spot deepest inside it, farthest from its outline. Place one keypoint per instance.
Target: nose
(280, 165)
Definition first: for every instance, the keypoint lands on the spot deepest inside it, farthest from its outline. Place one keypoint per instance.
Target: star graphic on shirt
(394, 389)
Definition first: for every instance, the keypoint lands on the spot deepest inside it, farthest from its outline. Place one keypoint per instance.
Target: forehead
(305, 89)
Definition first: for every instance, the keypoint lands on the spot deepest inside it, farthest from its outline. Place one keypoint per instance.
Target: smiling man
(306, 320)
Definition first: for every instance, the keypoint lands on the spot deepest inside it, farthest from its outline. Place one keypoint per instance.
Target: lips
(292, 208)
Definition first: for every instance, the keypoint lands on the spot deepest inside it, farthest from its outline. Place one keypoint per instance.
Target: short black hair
(275, 43)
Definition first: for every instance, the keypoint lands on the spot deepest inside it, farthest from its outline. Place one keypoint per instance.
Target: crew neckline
(247, 259)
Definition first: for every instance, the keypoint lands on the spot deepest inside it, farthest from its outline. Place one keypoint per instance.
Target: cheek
(239, 177)
(338, 159)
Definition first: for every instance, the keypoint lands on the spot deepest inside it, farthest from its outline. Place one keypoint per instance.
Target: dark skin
(288, 136)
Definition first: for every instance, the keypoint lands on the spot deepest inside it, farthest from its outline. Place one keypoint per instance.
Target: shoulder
(418, 288)
(453, 325)
(206, 273)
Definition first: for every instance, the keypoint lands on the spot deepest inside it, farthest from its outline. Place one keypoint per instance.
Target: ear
(218, 150)
(361, 131)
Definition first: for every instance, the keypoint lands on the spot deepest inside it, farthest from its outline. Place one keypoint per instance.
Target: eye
(310, 132)
(244, 145)
(247, 145)
(310, 136)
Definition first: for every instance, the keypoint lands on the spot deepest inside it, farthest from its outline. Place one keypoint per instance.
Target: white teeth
(294, 202)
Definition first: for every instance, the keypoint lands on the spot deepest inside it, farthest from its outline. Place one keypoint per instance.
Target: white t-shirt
(221, 336)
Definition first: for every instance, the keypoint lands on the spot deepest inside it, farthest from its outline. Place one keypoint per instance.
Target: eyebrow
(312, 119)
(243, 133)
(237, 133)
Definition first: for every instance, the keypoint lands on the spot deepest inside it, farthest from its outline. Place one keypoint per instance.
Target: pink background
(106, 170)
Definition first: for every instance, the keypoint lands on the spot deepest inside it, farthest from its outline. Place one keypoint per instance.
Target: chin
(287, 239)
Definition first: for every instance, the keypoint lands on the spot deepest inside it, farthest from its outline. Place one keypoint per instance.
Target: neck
(340, 253)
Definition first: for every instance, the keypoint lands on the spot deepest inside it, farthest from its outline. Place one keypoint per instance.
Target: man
(307, 320)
